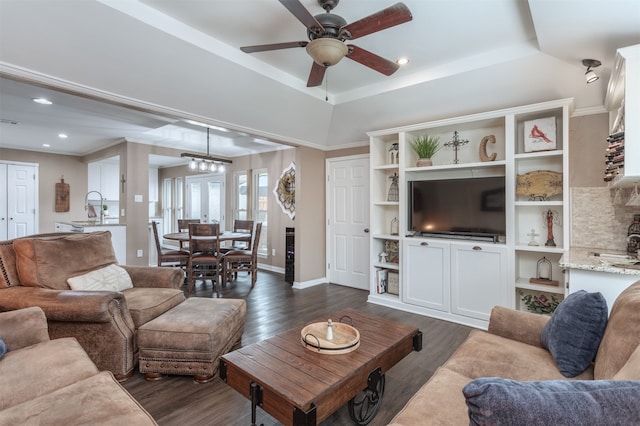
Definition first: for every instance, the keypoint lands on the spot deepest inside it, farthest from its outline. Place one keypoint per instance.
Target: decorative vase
(424, 162)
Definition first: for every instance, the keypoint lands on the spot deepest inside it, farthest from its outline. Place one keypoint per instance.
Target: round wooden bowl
(345, 338)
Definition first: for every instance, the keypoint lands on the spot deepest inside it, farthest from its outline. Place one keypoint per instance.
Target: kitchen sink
(611, 255)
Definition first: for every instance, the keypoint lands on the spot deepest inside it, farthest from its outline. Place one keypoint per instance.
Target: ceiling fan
(327, 33)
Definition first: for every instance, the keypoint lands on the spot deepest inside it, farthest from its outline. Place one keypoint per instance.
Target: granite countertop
(90, 223)
(583, 258)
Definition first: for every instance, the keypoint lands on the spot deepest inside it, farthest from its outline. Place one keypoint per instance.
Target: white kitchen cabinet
(608, 283)
(104, 177)
(427, 266)
(623, 101)
(478, 279)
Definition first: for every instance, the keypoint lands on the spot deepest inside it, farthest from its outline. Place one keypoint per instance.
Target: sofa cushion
(574, 332)
(51, 365)
(48, 261)
(484, 354)
(497, 401)
(109, 278)
(439, 400)
(622, 336)
(146, 304)
(96, 400)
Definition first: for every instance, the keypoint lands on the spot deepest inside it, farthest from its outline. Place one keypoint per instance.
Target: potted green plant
(426, 147)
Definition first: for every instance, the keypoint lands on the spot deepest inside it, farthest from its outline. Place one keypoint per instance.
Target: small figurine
(533, 236)
(550, 241)
(383, 257)
(329, 330)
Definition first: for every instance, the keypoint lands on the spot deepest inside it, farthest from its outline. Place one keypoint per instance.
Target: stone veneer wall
(600, 217)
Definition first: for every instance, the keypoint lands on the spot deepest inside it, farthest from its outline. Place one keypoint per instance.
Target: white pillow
(109, 278)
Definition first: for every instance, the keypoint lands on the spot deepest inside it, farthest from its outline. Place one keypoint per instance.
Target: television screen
(458, 207)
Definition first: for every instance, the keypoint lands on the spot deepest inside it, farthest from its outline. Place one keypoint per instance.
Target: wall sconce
(590, 75)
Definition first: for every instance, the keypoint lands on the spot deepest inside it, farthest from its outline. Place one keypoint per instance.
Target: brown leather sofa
(34, 272)
(512, 349)
(61, 385)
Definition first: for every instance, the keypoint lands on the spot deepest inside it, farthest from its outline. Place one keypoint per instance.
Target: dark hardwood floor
(273, 307)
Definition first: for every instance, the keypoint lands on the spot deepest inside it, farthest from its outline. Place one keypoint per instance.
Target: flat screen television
(471, 208)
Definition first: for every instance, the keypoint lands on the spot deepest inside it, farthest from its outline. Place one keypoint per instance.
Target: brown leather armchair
(104, 322)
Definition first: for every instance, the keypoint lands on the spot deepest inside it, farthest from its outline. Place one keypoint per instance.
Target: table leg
(364, 406)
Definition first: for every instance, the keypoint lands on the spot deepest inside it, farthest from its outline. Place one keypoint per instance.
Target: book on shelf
(381, 280)
(393, 282)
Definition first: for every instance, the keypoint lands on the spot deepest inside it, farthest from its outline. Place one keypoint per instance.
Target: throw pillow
(3, 348)
(48, 261)
(109, 278)
(496, 401)
(574, 332)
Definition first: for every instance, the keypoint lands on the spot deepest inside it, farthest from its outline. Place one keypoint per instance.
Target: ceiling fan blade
(299, 11)
(273, 46)
(316, 75)
(394, 15)
(372, 60)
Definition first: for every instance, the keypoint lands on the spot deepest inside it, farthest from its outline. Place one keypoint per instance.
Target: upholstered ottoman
(190, 338)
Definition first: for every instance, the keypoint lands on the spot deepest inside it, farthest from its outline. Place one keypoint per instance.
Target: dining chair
(245, 226)
(183, 226)
(204, 258)
(235, 261)
(169, 257)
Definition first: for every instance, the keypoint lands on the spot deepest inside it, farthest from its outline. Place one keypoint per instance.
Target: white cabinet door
(426, 265)
(478, 279)
(104, 178)
(111, 181)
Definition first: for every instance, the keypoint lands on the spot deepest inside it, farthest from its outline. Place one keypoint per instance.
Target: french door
(205, 198)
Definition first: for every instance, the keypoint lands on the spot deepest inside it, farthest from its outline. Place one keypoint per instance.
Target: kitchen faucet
(86, 205)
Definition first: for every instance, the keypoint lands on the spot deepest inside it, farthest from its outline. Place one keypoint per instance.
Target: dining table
(224, 236)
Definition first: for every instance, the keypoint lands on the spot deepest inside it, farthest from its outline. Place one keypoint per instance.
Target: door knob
(366, 230)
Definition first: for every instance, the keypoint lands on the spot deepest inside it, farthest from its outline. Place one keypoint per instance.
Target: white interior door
(20, 206)
(205, 199)
(348, 221)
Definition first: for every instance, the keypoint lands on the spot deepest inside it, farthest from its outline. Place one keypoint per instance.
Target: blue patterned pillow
(496, 401)
(574, 332)
(3, 348)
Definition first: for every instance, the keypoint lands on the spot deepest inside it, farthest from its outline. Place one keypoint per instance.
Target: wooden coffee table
(300, 387)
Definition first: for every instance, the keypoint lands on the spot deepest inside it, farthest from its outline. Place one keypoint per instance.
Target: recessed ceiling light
(46, 145)
(402, 61)
(43, 101)
(62, 136)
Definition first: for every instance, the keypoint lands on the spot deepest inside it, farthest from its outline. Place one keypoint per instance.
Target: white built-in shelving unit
(461, 280)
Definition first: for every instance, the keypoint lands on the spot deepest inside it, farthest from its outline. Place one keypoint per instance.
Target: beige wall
(599, 216)
(587, 142)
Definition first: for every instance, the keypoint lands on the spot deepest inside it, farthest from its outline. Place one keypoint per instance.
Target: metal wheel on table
(364, 406)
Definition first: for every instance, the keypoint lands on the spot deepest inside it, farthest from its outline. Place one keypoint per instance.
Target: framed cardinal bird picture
(540, 134)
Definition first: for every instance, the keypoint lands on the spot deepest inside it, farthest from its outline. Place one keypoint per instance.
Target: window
(260, 206)
(167, 202)
(241, 196)
(179, 203)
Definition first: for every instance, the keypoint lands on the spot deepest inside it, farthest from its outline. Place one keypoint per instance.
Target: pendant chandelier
(206, 163)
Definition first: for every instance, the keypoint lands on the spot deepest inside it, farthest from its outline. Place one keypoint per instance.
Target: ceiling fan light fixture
(402, 60)
(327, 51)
(590, 76)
